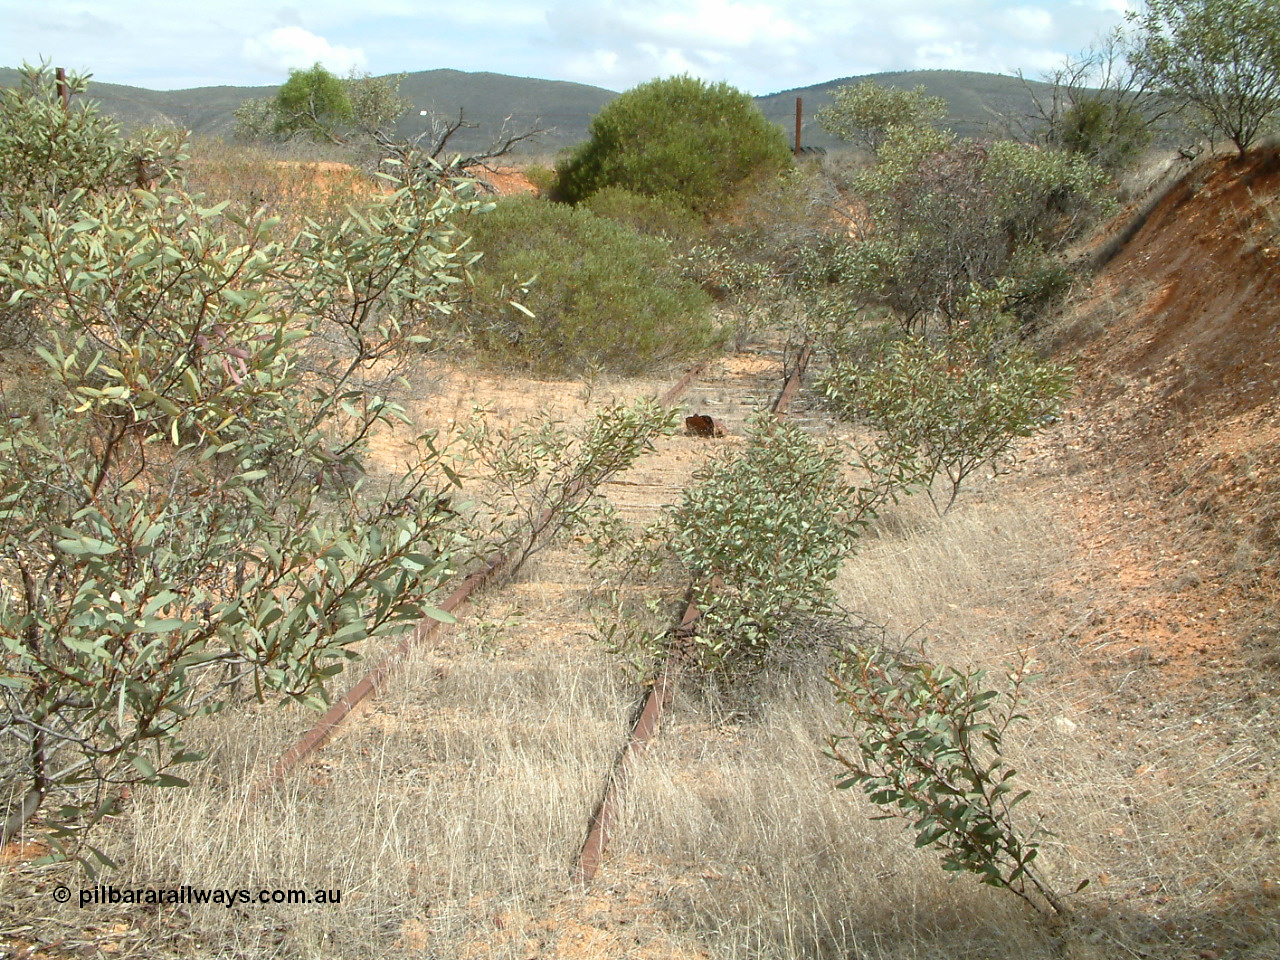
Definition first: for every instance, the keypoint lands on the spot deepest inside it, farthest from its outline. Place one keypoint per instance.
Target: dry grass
(461, 798)
(1157, 799)
(295, 182)
(450, 814)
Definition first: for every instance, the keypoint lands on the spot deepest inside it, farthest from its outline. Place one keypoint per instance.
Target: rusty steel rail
(323, 731)
(658, 696)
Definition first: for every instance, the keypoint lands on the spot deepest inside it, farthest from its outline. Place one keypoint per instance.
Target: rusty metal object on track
(701, 425)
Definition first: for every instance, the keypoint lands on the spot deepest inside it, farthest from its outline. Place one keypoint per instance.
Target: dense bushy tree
(1098, 105)
(952, 404)
(679, 138)
(51, 156)
(954, 214)
(1218, 60)
(312, 103)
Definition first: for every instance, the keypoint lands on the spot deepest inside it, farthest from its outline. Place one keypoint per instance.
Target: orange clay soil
(1171, 447)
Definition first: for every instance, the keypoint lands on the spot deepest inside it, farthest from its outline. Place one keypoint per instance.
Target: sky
(760, 46)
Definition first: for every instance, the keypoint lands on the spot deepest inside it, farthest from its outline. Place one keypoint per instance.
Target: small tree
(951, 407)
(600, 296)
(255, 119)
(312, 103)
(927, 748)
(54, 157)
(864, 114)
(183, 519)
(1218, 60)
(318, 105)
(1097, 106)
(759, 536)
(952, 213)
(376, 103)
(679, 138)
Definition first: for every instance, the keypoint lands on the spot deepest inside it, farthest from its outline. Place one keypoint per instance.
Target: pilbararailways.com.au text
(153, 896)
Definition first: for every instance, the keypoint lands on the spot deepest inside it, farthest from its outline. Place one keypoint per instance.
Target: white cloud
(290, 48)
(920, 29)
(712, 39)
(1031, 23)
(718, 23)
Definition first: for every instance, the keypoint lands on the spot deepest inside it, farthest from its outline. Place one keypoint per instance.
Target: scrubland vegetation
(205, 343)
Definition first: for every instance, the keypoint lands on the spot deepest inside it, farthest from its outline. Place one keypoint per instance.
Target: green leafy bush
(926, 747)
(182, 511)
(314, 104)
(951, 406)
(51, 157)
(865, 113)
(1217, 60)
(721, 271)
(779, 224)
(950, 214)
(648, 216)
(1111, 133)
(761, 535)
(678, 138)
(542, 177)
(1098, 105)
(598, 294)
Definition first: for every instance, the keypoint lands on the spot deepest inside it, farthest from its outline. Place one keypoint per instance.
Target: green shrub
(51, 157)
(183, 520)
(312, 103)
(927, 748)
(953, 405)
(953, 213)
(780, 224)
(648, 216)
(678, 138)
(761, 535)
(542, 177)
(1218, 61)
(720, 271)
(600, 295)
(1112, 134)
(316, 105)
(865, 113)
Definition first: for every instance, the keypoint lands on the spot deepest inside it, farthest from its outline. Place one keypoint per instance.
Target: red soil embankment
(1178, 424)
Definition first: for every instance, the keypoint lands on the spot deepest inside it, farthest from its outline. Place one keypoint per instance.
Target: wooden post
(64, 92)
(799, 114)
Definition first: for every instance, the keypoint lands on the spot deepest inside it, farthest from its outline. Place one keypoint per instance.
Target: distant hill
(203, 110)
(976, 102)
(492, 99)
